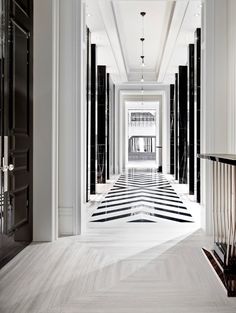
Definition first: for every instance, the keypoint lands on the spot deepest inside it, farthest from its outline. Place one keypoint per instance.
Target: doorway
(16, 127)
(144, 135)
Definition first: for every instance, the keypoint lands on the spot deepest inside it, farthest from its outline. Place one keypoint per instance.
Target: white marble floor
(118, 268)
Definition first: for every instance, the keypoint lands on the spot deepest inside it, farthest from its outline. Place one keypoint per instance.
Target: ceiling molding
(107, 13)
(117, 18)
(166, 30)
(175, 28)
(148, 76)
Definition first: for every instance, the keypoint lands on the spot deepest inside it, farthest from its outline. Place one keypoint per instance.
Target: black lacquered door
(16, 126)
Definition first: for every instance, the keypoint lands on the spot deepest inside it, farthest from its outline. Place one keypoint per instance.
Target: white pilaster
(45, 120)
(232, 75)
(59, 118)
(214, 109)
(72, 118)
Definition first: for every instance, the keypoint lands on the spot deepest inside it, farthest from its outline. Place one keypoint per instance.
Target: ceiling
(116, 28)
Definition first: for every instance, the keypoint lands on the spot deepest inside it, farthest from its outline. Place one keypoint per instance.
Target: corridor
(117, 156)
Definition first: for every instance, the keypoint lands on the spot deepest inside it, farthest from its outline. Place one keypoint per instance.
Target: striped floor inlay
(141, 196)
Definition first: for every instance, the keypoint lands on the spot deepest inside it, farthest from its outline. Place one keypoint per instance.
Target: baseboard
(65, 224)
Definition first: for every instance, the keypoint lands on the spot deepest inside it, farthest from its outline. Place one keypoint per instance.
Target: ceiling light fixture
(142, 39)
(142, 56)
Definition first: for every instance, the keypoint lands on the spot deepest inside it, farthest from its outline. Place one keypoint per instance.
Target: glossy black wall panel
(93, 124)
(182, 125)
(172, 130)
(108, 124)
(88, 122)
(191, 119)
(102, 125)
(198, 105)
(176, 107)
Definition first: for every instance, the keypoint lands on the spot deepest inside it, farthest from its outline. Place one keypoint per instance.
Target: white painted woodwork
(59, 118)
(72, 117)
(45, 121)
(231, 75)
(214, 106)
(133, 93)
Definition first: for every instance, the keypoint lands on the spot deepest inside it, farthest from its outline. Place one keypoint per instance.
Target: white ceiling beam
(174, 31)
(166, 28)
(109, 21)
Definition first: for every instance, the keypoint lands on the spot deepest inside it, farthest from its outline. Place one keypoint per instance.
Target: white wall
(59, 119)
(66, 199)
(232, 75)
(44, 183)
(72, 118)
(216, 131)
(141, 131)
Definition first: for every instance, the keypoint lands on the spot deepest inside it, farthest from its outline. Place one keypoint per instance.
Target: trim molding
(150, 95)
(55, 106)
(66, 221)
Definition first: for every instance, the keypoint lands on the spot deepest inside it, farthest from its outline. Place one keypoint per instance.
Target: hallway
(117, 156)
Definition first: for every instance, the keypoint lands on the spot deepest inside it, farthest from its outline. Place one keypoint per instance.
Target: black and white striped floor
(141, 196)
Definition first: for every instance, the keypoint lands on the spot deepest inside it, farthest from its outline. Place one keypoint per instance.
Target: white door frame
(150, 95)
(150, 105)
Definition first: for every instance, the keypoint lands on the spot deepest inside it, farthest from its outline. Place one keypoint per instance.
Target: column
(102, 125)
(198, 107)
(214, 95)
(183, 145)
(172, 130)
(93, 123)
(72, 117)
(108, 124)
(88, 121)
(176, 127)
(191, 119)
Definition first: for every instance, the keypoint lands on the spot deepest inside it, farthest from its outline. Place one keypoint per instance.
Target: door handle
(11, 167)
(5, 166)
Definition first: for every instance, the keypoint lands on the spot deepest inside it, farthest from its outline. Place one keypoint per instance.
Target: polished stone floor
(142, 195)
(118, 267)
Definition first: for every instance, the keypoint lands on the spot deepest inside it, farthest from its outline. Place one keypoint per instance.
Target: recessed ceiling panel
(129, 23)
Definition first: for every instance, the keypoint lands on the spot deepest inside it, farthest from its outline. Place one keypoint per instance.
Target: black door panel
(17, 128)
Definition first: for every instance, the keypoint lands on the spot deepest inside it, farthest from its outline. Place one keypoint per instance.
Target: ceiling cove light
(142, 39)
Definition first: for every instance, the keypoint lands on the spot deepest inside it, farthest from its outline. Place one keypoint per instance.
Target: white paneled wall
(59, 118)
(44, 128)
(218, 129)
(72, 118)
(232, 75)
(214, 106)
